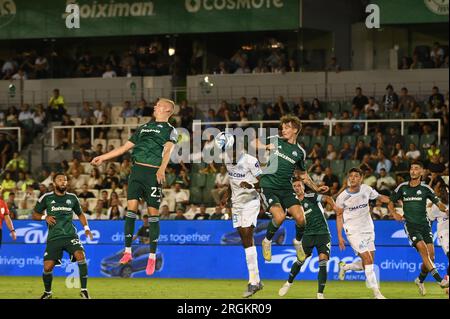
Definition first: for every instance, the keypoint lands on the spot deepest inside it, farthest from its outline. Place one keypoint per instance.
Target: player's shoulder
(366, 188)
(426, 187)
(273, 138)
(45, 196)
(401, 185)
(310, 196)
(249, 158)
(73, 195)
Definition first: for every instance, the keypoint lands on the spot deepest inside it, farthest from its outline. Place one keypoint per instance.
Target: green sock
(130, 219)
(299, 230)
(295, 270)
(422, 276)
(271, 230)
(47, 277)
(82, 266)
(322, 278)
(154, 233)
(435, 275)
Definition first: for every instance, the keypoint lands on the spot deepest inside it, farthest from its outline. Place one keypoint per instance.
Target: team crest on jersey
(294, 153)
(404, 193)
(280, 147)
(306, 205)
(68, 202)
(419, 192)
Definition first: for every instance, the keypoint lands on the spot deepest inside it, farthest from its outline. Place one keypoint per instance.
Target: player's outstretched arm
(112, 154)
(306, 179)
(442, 207)
(83, 221)
(340, 226)
(161, 173)
(49, 219)
(393, 213)
(330, 201)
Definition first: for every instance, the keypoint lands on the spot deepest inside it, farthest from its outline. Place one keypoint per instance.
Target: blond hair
(167, 101)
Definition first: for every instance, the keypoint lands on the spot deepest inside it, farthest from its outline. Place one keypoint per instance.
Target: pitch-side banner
(205, 249)
(47, 18)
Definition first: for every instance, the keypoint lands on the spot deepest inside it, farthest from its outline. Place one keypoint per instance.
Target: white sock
(128, 250)
(355, 266)
(251, 257)
(371, 278)
(151, 256)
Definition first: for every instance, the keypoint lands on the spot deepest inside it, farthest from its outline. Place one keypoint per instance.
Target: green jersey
(62, 208)
(414, 201)
(149, 140)
(283, 161)
(316, 223)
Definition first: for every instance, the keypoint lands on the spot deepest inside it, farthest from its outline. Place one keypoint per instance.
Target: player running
(353, 216)
(243, 172)
(62, 234)
(317, 235)
(152, 144)
(414, 195)
(286, 156)
(4, 215)
(442, 225)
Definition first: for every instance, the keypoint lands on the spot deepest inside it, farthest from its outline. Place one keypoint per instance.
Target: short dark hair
(355, 170)
(419, 163)
(59, 174)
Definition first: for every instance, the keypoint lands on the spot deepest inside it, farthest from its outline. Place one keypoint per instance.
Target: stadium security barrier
(214, 248)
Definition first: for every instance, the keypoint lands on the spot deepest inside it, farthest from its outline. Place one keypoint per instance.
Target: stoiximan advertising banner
(47, 18)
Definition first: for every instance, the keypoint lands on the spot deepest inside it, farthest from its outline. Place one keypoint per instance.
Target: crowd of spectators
(425, 57)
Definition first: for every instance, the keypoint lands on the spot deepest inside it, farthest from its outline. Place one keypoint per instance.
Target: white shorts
(443, 240)
(362, 242)
(247, 215)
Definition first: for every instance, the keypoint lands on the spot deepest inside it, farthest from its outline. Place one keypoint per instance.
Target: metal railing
(199, 123)
(19, 134)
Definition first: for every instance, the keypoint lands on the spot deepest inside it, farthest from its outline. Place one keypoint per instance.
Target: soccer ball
(224, 141)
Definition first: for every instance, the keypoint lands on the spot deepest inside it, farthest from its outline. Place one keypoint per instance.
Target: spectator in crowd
(109, 72)
(8, 185)
(164, 212)
(369, 179)
(334, 65)
(85, 209)
(399, 166)
(270, 115)
(393, 138)
(110, 176)
(143, 233)
(5, 149)
(221, 185)
(383, 163)
(12, 207)
(16, 164)
(100, 211)
(316, 107)
(20, 180)
(124, 170)
(435, 165)
(99, 111)
(95, 180)
(75, 165)
(416, 64)
(359, 101)
(255, 110)
(361, 149)
(179, 215)
(115, 210)
(316, 152)
(398, 151)
(12, 116)
(413, 153)
(39, 119)
(56, 107)
(437, 55)
(86, 114)
(385, 183)
(390, 100)
(202, 215)
(405, 63)
(186, 114)
(317, 175)
(365, 164)
(77, 180)
(127, 110)
(218, 214)
(181, 198)
(329, 120)
(281, 107)
(143, 109)
(331, 152)
(20, 75)
(331, 180)
(42, 189)
(436, 99)
(435, 181)
(406, 101)
(85, 193)
(26, 119)
(345, 153)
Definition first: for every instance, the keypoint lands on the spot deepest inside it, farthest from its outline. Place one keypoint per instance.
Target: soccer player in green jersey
(62, 234)
(316, 235)
(414, 195)
(286, 157)
(152, 144)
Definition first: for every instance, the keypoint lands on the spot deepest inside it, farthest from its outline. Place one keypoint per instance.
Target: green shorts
(286, 198)
(418, 233)
(321, 242)
(55, 249)
(142, 184)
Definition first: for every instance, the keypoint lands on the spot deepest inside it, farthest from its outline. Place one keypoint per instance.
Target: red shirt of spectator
(3, 211)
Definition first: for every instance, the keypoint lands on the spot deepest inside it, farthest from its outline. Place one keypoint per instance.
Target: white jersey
(246, 170)
(441, 217)
(356, 215)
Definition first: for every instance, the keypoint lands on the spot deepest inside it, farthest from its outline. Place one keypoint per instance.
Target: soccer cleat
(126, 258)
(283, 290)
(150, 266)
(320, 296)
(379, 296)
(46, 295)
(444, 284)
(421, 286)
(341, 270)
(267, 249)
(84, 294)
(252, 289)
(301, 256)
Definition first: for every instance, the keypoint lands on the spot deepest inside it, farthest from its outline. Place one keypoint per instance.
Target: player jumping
(277, 194)
(243, 173)
(62, 234)
(317, 235)
(414, 195)
(353, 215)
(152, 144)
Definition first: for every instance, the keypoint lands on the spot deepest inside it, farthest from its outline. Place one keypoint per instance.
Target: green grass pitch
(148, 288)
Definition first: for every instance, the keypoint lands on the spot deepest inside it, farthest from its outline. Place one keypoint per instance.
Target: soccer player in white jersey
(243, 173)
(442, 226)
(353, 216)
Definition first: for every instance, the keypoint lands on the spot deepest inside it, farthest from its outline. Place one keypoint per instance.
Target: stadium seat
(108, 190)
(115, 113)
(131, 120)
(346, 106)
(427, 139)
(210, 210)
(92, 202)
(335, 141)
(99, 141)
(335, 107)
(114, 142)
(87, 167)
(305, 139)
(195, 195)
(366, 138)
(144, 119)
(94, 191)
(31, 202)
(210, 181)
(20, 195)
(350, 164)
(318, 139)
(77, 120)
(411, 139)
(337, 166)
(198, 179)
(113, 132)
(207, 198)
(395, 115)
(351, 139)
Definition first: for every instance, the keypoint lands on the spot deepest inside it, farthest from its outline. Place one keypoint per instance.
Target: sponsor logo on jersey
(287, 158)
(358, 207)
(409, 199)
(236, 174)
(61, 208)
(149, 131)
